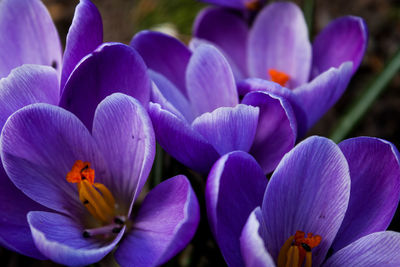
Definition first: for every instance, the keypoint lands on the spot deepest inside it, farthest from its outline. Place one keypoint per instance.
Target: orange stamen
(80, 171)
(278, 76)
(253, 5)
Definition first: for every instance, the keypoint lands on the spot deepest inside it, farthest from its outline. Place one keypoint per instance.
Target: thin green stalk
(308, 9)
(367, 98)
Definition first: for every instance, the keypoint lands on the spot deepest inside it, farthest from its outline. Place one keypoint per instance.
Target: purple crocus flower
(88, 183)
(196, 112)
(321, 196)
(277, 48)
(251, 5)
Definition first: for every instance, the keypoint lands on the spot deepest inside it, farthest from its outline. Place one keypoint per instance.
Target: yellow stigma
(97, 199)
(297, 250)
(278, 77)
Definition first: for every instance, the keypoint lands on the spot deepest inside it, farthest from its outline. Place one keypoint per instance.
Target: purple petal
(165, 224)
(375, 173)
(377, 249)
(27, 36)
(276, 129)
(237, 4)
(319, 95)
(235, 186)
(40, 144)
(344, 39)
(279, 40)
(210, 82)
(111, 68)
(123, 131)
(60, 238)
(252, 244)
(181, 141)
(164, 54)
(84, 35)
(26, 85)
(228, 31)
(228, 129)
(309, 191)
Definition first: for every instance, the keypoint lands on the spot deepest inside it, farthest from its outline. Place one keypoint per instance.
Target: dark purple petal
(166, 222)
(235, 187)
(209, 81)
(228, 129)
(60, 238)
(276, 129)
(228, 31)
(178, 138)
(375, 188)
(344, 39)
(237, 4)
(377, 249)
(40, 143)
(279, 40)
(27, 36)
(309, 191)
(123, 132)
(164, 54)
(319, 95)
(84, 35)
(252, 244)
(26, 85)
(111, 68)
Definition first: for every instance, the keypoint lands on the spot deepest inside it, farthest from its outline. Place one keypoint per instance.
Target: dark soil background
(123, 18)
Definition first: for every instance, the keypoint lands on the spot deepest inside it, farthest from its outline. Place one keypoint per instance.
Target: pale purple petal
(60, 238)
(309, 191)
(319, 95)
(84, 35)
(344, 39)
(164, 225)
(235, 187)
(209, 81)
(276, 130)
(124, 134)
(111, 68)
(279, 40)
(228, 129)
(375, 188)
(181, 141)
(27, 36)
(377, 249)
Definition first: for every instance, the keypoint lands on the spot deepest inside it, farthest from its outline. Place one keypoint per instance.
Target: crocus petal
(123, 131)
(279, 40)
(228, 31)
(26, 85)
(318, 96)
(375, 173)
(166, 222)
(344, 39)
(60, 238)
(84, 35)
(209, 80)
(252, 245)
(228, 129)
(309, 191)
(40, 143)
(377, 249)
(27, 36)
(237, 4)
(181, 141)
(163, 54)
(276, 129)
(235, 187)
(111, 68)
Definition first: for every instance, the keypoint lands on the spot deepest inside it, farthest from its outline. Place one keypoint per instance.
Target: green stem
(308, 9)
(367, 98)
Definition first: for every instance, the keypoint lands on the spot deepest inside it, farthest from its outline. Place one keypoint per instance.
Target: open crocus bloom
(314, 201)
(196, 112)
(277, 49)
(88, 182)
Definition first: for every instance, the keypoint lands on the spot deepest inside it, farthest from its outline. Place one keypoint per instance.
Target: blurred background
(123, 18)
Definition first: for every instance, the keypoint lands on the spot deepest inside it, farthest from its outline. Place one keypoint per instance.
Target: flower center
(278, 76)
(297, 250)
(253, 5)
